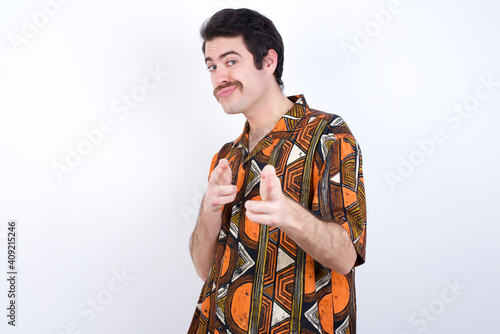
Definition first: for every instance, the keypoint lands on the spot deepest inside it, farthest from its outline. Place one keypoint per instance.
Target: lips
(224, 92)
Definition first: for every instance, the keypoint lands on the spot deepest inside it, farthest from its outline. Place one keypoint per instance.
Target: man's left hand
(274, 208)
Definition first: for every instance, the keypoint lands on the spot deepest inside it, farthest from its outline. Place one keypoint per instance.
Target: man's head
(258, 32)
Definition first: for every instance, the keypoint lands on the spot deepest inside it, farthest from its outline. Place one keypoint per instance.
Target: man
(282, 222)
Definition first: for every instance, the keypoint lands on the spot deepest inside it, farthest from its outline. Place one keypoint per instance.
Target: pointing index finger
(270, 184)
(222, 174)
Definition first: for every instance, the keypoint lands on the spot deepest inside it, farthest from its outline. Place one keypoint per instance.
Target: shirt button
(220, 328)
(231, 244)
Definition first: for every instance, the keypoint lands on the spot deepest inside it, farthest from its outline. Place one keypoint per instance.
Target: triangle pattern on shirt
(284, 260)
(253, 177)
(344, 328)
(312, 316)
(221, 303)
(336, 178)
(326, 142)
(279, 314)
(295, 154)
(243, 263)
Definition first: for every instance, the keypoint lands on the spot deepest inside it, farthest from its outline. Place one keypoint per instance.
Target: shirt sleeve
(214, 163)
(339, 195)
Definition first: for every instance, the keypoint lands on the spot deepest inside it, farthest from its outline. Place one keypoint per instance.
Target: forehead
(220, 46)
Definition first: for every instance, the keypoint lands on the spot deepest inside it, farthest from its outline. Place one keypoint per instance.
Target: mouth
(226, 91)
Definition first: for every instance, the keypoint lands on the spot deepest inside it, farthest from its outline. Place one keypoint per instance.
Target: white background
(130, 204)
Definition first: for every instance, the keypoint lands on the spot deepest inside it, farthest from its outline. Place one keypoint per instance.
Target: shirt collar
(284, 126)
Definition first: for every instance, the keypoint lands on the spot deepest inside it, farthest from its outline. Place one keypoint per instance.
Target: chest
(254, 137)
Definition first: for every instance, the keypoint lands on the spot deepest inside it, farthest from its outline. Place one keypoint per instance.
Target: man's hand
(274, 207)
(203, 242)
(220, 191)
(327, 242)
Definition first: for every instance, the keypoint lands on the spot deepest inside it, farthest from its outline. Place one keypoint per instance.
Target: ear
(270, 61)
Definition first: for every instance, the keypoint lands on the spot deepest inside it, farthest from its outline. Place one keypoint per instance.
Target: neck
(263, 119)
(269, 111)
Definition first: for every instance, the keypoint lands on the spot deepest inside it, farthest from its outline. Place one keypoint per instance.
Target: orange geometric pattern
(261, 281)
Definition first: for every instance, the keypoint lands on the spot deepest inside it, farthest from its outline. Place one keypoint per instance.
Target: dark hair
(259, 34)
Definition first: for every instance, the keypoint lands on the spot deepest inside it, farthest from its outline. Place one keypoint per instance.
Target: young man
(282, 223)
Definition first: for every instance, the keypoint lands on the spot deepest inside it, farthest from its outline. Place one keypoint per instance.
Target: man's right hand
(220, 191)
(203, 243)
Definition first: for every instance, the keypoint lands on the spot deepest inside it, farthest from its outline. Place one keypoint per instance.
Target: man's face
(238, 84)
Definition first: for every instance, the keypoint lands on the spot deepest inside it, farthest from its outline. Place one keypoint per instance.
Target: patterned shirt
(260, 280)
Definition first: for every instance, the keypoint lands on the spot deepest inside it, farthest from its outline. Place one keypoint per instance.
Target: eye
(211, 67)
(231, 62)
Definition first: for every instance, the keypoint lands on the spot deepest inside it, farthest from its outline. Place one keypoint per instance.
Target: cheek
(213, 81)
(253, 85)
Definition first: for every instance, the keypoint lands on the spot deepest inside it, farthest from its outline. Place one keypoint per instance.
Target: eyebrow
(232, 52)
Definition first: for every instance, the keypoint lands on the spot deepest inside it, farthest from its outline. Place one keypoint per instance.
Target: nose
(221, 76)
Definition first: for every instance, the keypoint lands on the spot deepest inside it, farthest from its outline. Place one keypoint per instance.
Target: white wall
(129, 206)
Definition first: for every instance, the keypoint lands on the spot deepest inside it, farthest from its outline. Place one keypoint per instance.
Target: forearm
(203, 242)
(326, 242)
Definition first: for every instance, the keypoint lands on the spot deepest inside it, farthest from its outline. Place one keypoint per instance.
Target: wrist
(293, 222)
(209, 222)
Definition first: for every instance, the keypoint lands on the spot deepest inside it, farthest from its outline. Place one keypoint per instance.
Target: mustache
(236, 83)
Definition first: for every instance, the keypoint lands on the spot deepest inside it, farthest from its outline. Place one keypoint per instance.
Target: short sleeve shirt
(261, 281)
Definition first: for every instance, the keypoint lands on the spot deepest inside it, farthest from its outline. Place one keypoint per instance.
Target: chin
(230, 109)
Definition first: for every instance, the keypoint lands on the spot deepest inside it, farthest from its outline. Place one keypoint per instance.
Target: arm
(326, 242)
(203, 241)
